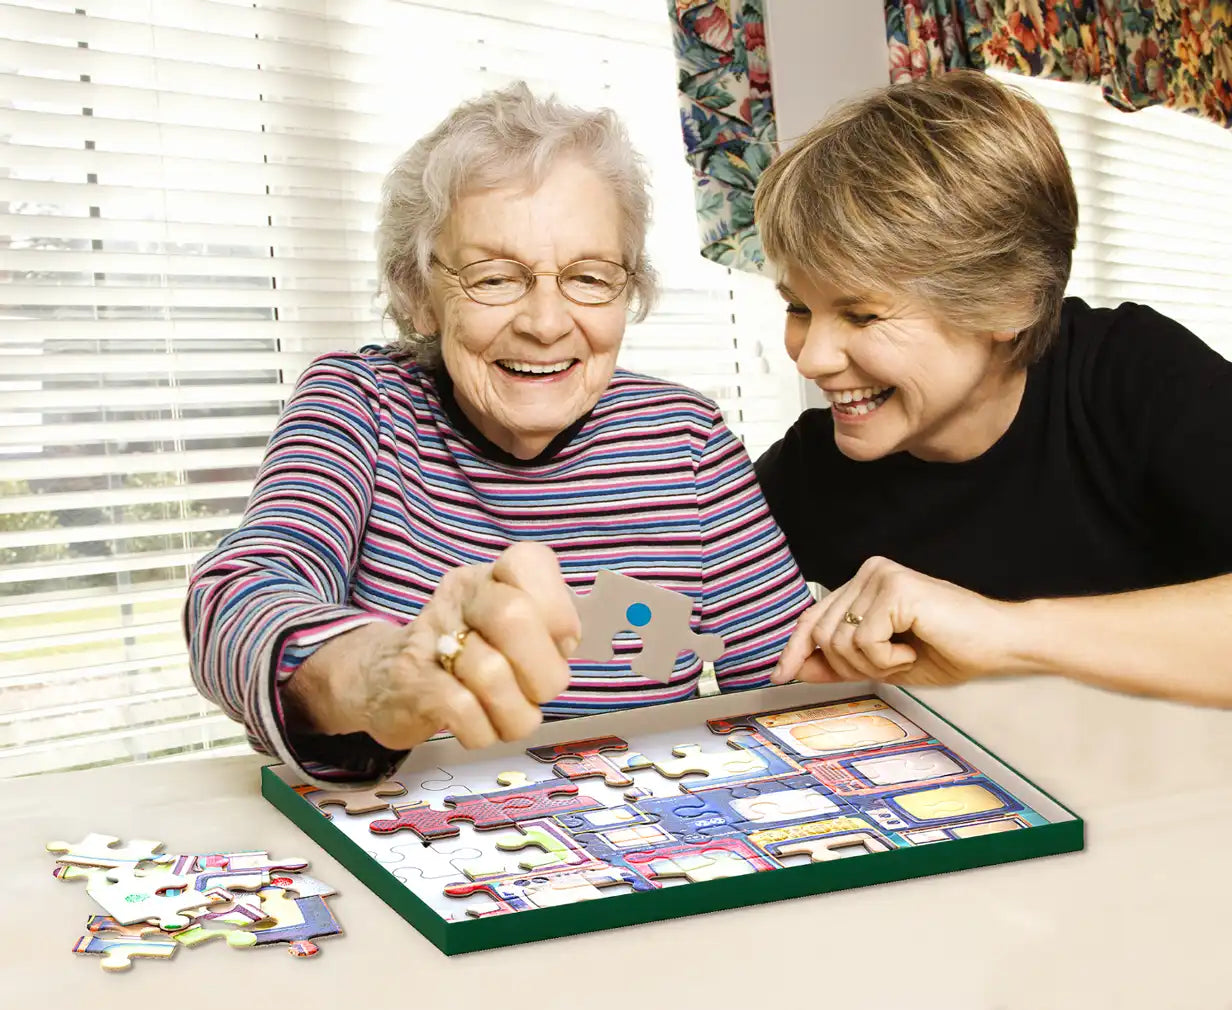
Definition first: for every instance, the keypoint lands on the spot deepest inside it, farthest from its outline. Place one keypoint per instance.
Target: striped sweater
(374, 484)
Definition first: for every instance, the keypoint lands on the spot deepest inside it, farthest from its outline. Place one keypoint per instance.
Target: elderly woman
(1007, 480)
(405, 560)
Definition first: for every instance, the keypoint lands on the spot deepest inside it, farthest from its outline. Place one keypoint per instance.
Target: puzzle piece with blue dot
(659, 616)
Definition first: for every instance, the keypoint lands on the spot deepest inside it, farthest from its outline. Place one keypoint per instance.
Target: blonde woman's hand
(906, 628)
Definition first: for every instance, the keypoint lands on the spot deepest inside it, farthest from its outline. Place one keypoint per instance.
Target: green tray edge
(674, 902)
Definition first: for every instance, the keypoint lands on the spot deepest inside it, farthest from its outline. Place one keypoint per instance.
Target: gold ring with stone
(851, 618)
(449, 648)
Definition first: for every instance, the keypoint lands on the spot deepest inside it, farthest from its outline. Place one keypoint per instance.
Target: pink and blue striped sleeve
(277, 587)
(752, 589)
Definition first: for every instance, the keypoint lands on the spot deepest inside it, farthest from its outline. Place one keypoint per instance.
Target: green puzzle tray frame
(1063, 833)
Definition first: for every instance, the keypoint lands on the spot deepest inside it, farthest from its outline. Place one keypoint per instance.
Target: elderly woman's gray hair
(501, 137)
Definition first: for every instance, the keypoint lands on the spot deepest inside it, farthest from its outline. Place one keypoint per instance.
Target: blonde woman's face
(489, 349)
(897, 378)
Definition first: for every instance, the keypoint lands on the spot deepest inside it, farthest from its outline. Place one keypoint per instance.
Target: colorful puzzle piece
(823, 850)
(583, 759)
(692, 760)
(486, 810)
(293, 919)
(105, 851)
(707, 865)
(132, 896)
(554, 847)
(661, 617)
(118, 951)
(360, 801)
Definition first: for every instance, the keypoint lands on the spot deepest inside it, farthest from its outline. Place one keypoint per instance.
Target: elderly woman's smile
(530, 294)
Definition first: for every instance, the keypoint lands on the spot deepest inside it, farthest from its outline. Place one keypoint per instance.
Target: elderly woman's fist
(512, 626)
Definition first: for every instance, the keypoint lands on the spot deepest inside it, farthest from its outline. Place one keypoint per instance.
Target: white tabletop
(1142, 918)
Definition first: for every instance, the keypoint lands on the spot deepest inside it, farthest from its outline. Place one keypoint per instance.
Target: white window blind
(187, 196)
(1155, 221)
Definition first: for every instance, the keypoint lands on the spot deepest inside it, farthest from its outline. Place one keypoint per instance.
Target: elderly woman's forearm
(324, 694)
(1171, 642)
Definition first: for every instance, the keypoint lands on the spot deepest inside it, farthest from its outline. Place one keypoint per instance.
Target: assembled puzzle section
(155, 902)
(739, 796)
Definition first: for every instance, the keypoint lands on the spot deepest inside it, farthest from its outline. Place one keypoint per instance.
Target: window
(187, 192)
(1155, 222)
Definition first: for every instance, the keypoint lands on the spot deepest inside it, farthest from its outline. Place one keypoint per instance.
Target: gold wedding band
(449, 648)
(851, 618)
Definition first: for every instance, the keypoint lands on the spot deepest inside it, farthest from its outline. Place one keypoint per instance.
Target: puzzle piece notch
(361, 801)
(659, 616)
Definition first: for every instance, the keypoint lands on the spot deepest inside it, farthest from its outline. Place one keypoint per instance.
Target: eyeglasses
(503, 282)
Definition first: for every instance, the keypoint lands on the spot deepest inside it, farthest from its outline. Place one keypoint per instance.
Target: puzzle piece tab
(105, 851)
(659, 616)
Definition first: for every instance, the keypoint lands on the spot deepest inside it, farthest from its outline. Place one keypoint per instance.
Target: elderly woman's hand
(893, 624)
(523, 626)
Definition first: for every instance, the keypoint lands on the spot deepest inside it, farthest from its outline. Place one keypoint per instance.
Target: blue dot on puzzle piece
(638, 615)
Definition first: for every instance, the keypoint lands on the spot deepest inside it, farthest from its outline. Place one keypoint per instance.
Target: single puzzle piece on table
(690, 759)
(486, 810)
(360, 801)
(104, 851)
(131, 896)
(582, 759)
(513, 779)
(118, 951)
(659, 616)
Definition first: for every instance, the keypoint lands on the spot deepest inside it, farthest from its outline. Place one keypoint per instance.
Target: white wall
(821, 52)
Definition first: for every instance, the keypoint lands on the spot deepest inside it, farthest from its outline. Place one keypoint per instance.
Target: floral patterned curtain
(727, 116)
(1176, 53)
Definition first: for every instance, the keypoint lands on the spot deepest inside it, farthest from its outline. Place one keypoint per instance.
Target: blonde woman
(1007, 480)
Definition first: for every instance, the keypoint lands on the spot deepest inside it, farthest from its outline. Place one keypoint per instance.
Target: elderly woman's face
(897, 378)
(524, 372)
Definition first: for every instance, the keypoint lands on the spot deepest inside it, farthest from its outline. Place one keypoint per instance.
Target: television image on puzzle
(589, 819)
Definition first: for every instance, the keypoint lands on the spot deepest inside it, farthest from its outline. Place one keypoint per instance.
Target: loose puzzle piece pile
(588, 819)
(156, 902)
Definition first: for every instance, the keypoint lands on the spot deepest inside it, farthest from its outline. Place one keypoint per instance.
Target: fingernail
(570, 644)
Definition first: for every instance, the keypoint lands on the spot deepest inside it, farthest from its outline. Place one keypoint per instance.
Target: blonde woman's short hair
(501, 137)
(953, 190)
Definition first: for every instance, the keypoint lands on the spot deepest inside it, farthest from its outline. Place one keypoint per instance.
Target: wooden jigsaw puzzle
(751, 796)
